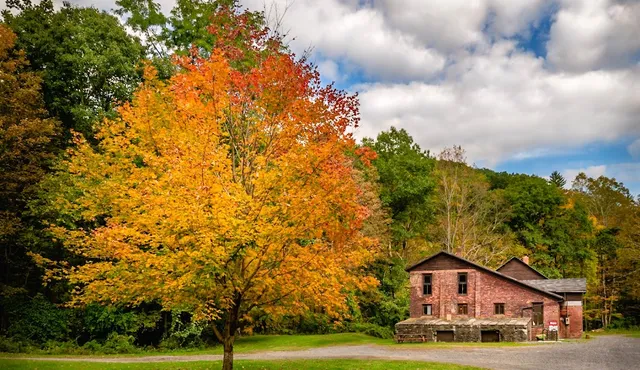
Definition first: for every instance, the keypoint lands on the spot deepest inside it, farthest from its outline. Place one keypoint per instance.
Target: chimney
(525, 259)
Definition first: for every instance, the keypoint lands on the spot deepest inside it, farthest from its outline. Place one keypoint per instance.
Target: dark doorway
(490, 336)
(444, 336)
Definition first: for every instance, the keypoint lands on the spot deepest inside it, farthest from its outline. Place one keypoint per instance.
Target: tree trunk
(228, 335)
(227, 360)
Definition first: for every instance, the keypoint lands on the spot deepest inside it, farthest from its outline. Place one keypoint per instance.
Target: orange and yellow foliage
(222, 189)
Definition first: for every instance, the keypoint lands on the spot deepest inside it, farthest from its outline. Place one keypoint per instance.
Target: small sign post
(553, 327)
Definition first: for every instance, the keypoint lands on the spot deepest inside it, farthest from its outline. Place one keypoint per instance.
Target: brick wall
(574, 329)
(483, 291)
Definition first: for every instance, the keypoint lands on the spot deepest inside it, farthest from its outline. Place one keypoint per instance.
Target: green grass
(286, 342)
(260, 343)
(239, 364)
(634, 333)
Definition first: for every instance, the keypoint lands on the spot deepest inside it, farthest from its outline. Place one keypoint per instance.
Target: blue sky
(527, 86)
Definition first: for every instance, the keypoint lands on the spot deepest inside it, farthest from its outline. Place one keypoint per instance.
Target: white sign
(553, 325)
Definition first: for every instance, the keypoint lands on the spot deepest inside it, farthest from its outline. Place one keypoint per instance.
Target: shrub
(99, 322)
(64, 348)
(93, 346)
(372, 330)
(12, 345)
(36, 319)
(185, 336)
(118, 343)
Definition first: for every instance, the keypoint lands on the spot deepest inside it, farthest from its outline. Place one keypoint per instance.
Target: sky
(527, 86)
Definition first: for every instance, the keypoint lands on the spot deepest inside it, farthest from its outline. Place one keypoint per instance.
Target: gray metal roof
(560, 285)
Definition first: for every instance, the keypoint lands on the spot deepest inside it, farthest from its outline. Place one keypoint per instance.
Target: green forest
(64, 73)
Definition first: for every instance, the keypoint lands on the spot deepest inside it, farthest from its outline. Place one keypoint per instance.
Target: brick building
(453, 299)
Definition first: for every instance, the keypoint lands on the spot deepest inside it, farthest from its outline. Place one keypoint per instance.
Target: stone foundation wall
(462, 333)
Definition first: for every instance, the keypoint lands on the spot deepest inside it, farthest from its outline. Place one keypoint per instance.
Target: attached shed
(424, 329)
(572, 291)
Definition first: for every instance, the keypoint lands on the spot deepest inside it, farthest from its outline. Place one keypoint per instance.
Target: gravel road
(605, 352)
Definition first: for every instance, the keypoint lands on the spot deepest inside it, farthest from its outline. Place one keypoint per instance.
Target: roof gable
(440, 261)
(456, 262)
(518, 269)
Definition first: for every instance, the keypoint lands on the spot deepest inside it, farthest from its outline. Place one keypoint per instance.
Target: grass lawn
(260, 343)
(239, 364)
(634, 333)
(291, 342)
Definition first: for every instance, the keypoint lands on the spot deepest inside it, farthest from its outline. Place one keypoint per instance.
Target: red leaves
(366, 155)
(238, 35)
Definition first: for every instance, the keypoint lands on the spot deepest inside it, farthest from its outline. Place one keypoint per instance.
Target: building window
(462, 283)
(538, 317)
(498, 308)
(426, 310)
(463, 309)
(426, 284)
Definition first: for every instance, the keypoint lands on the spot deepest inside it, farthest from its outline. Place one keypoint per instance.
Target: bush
(118, 343)
(11, 345)
(36, 319)
(624, 323)
(184, 336)
(99, 322)
(372, 330)
(64, 348)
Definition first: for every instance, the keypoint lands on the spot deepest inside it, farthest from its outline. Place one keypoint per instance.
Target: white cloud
(337, 29)
(449, 72)
(451, 24)
(593, 34)
(503, 103)
(330, 70)
(627, 173)
(634, 149)
(591, 171)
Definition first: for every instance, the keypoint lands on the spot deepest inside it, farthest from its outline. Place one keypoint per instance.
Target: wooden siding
(442, 262)
(573, 297)
(519, 270)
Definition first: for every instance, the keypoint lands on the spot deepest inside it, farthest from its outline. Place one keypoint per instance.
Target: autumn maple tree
(228, 188)
(26, 136)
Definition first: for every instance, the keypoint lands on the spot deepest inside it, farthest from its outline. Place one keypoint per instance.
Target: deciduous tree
(26, 135)
(87, 60)
(224, 190)
(470, 219)
(617, 245)
(406, 186)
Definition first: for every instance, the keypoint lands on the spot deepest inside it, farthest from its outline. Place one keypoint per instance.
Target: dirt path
(606, 352)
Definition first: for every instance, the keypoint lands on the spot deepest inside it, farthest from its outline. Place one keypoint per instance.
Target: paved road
(605, 352)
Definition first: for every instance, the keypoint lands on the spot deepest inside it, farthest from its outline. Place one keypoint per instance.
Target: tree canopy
(221, 191)
(26, 151)
(406, 184)
(87, 60)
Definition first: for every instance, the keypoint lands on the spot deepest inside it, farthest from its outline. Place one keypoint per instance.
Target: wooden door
(444, 336)
(490, 336)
